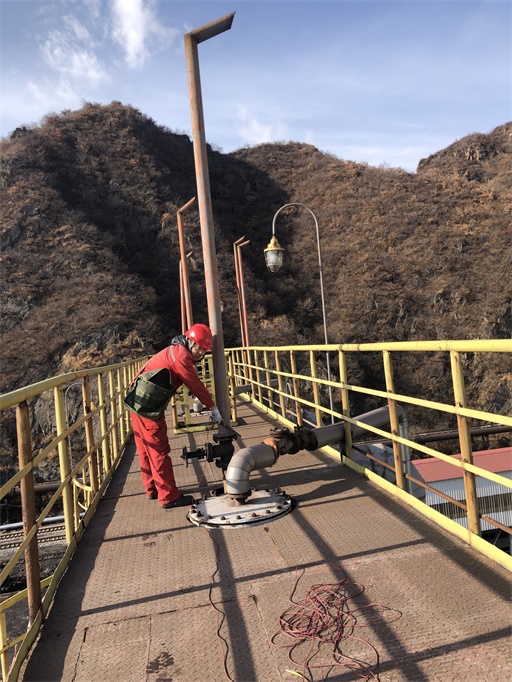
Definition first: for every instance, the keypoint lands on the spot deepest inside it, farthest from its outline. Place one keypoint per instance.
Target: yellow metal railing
(297, 392)
(103, 430)
(287, 382)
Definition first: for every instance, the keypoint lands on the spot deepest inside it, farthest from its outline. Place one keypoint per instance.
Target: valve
(220, 453)
(289, 442)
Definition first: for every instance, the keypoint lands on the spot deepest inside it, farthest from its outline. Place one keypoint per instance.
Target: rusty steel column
(192, 40)
(182, 302)
(242, 292)
(239, 288)
(184, 282)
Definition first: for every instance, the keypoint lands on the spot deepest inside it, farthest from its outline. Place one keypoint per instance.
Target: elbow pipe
(243, 463)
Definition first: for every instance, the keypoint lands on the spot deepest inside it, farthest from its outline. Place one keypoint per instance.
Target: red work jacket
(178, 359)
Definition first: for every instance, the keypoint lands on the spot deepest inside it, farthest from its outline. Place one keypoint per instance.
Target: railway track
(51, 541)
(11, 539)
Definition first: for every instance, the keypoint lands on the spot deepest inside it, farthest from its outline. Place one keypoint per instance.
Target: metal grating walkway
(135, 604)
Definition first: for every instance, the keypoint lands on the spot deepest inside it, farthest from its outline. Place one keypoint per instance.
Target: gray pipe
(244, 462)
(47, 520)
(327, 435)
(403, 427)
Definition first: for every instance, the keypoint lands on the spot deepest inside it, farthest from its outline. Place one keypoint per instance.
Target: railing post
(232, 386)
(345, 403)
(249, 368)
(67, 496)
(316, 389)
(258, 377)
(28, 511)
(267, 379)
(465, 443)
(4, 656)
(113, 412)
(393, 419)
(120, 391)
(280, 384)
(126, 384)
(105, 445)
(89, 436)
(238, 367)
(298, 408)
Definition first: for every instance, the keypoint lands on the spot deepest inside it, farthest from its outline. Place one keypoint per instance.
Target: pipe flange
(221, 512)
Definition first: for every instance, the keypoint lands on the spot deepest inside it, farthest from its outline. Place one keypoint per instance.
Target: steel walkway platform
(150, 597)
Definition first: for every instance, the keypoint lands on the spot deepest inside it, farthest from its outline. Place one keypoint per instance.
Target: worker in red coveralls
(151, 437)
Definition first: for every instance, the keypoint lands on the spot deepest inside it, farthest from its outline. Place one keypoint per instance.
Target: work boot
(152, 496)
(183, 501)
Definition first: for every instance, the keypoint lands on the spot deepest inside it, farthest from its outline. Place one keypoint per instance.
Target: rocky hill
(90, 253)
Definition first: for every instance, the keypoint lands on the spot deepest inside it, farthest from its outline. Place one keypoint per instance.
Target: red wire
(327, 618)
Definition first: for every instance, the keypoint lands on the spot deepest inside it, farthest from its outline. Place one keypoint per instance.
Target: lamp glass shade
(274, 259)
(274, 255)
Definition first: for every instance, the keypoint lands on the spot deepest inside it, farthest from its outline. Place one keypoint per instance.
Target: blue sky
(380, 81)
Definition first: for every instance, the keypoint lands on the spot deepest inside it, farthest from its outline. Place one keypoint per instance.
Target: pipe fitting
(243, 463)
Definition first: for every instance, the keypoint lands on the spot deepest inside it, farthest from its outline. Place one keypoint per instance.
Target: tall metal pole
(182, 302)
(242, 292)
(239, 288)
(192, 40)
(321, 287)
(184, 267)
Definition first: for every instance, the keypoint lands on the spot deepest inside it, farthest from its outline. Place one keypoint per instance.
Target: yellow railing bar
(19, 395)
(463, 346)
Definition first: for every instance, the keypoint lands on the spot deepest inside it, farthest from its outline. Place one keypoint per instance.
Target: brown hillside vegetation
(90, 246)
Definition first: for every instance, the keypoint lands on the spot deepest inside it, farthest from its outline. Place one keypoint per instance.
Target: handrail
(19, 395)
(304, 367)
(104, 429)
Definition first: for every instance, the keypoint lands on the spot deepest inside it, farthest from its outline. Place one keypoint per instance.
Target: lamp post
(192, 40)
(186, 321)
(274, 259)
(184, 281)
(242, 307)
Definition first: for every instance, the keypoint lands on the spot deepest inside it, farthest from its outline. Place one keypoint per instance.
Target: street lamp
(204, 200)
(274, 259)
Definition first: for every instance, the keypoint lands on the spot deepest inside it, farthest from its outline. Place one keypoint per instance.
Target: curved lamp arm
(274, 259)
(275, 242)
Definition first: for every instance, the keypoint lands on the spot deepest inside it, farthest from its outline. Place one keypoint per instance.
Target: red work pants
(153, 448)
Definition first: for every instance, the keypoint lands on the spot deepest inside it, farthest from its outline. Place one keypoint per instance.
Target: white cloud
(71, 60)
(137, 30)
(254, 131)
(94, 8)
(51, 97)
(81, 33)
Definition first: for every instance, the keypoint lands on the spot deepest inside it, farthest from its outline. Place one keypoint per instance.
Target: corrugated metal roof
(497, 461)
